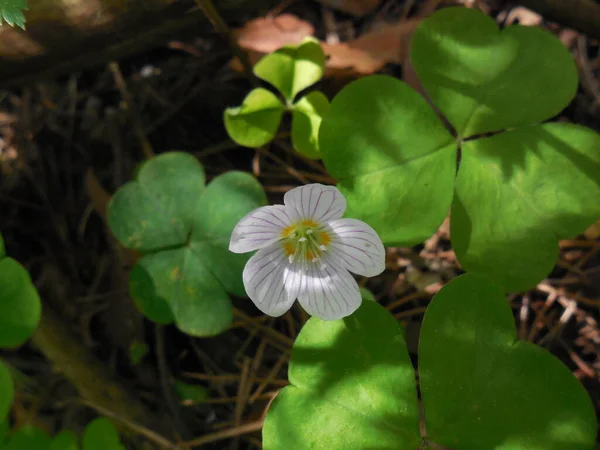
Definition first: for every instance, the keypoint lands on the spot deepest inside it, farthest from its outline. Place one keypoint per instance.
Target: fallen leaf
(267, 34)
(357, 8)
(373, 50)
(362, 56)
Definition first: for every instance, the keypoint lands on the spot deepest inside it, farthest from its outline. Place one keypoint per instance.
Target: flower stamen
(305, 242)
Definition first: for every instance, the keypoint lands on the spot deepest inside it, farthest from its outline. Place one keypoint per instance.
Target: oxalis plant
(476, 147)
(20, 313)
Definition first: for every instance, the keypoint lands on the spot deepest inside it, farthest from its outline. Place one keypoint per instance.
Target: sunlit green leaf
(484, 390)
(293, 68)
(307, 115)
(353, 388)
(518, 193)
(483, 79)
(255, 122)
(393, 158)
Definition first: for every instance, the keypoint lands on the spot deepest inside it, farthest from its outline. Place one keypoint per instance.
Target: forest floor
(66, 144)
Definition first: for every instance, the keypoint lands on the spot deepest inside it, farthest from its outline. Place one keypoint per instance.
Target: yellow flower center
(305, 241)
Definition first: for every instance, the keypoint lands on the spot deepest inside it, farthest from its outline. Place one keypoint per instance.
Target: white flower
(305, 250)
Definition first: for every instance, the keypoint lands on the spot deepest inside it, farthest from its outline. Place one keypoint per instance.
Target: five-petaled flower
(305, 250)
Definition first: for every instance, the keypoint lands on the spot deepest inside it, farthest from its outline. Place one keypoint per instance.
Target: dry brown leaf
(362, 56)
(346, 60)
(357, 8)
(371, 51)
(266, 34)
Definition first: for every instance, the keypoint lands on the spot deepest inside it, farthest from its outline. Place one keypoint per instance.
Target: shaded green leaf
(11, 11)
(6, 392)
(156, 210)
(307, 115)
(20, 306)
(484, 390)
(352, 388)
(184, 280)
(393, 158)
(293, 68)
(137, 352)
(65, 440)
(485, 80)
(144, 290)
(518, 193)
(184, 230)
(101, 434)
(191, 392)
(28, 438)
(4, 429)
(255, 122)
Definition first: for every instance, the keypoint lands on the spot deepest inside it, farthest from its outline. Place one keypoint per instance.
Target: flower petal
(271, 281)
(259, 229)
(329, 291)
(357, 246)
(316, 202)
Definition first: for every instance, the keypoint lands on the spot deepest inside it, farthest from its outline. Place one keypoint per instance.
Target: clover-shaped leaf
(11, 11)
(289, 69)
(28, 437)
(483, 79)
(393, 158)
(101, 434)
(352, 383)
(307, 114)
(255, 122)
(293, 68)
(183, 229)
(483, 389)
(20, 306)
(353, 387)
(6, 392)
(516, 193)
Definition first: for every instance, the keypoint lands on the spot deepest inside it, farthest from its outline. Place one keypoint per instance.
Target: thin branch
(133, 426)
(136, 121)
(226, 434)
(221, 27)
